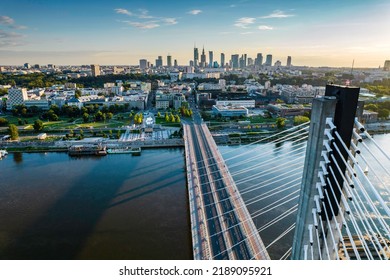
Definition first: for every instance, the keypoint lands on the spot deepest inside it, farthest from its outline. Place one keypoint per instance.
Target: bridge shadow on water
(64, 229)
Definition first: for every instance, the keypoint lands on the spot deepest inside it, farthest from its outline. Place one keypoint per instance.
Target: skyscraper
(235, 61)
(211, 59)
(175, 63)
(95, 68)
(169, 61)
(268, 60)
(143, 63)
(196, 56)
(203, 59)
(159, 61)
(222, 60)
(245, 60)
(387, 65)
(259, 59)
(242, 62)
(288, 61)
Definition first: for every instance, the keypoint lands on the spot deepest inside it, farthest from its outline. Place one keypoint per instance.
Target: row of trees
(382, 108)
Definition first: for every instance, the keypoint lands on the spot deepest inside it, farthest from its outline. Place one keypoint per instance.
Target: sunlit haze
(314, 33)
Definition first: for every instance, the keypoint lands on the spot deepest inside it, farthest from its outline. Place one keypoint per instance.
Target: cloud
(10, 22)
(143, 25)
(244, 22)
(170, 21)
(8, 35)
(195, 12)
(246, 33)
(6, 20)
(123, 12)
(144, 14)
(277, 14)
(265, 27)
(10, 39)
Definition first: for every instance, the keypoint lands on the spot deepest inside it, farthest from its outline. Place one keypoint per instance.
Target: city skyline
(330, 33)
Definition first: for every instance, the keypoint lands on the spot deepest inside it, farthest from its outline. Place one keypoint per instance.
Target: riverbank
(63, 146)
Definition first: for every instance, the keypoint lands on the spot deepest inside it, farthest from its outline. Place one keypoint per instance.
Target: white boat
(124, 151)
(3, 153)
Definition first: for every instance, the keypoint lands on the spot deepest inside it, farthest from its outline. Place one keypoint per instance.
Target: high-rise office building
(235, 61)
(159, 61)
(211, 59)
(245, 59)
(259, 59)
(27, 65)
(250, 61)
(203, 59)
(196, 56)
(242, 62)
(143, 63)
(95, 68)
(288, 61)
(268, 60)
(222, 60)
(169, 61)
(175, 63)
(387, 65)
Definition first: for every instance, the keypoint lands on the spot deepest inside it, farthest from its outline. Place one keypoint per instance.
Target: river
(53, 206)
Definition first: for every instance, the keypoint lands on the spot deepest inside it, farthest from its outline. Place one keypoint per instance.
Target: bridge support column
(322, 108)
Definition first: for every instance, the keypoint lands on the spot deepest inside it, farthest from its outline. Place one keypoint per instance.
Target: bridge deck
(221, 225)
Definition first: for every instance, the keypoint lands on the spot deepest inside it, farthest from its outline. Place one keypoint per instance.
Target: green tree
(85, 117)
(300, 120)
(81, 132)
(158, 115)
(371, 107)
(383, 113)
(77, 93)
(109, 115)
(13, 132)
(99, 116)
(167, 117)
(3, 122)
(55, 109)
(177, 118)
(38, 125)
(280, 123)
(118, 134)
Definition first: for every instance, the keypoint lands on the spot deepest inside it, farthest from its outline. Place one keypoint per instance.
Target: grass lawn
(259, 119)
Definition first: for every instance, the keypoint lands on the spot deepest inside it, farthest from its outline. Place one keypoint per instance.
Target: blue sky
(314, 33)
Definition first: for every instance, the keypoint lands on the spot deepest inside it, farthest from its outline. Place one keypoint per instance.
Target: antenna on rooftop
(353, 63)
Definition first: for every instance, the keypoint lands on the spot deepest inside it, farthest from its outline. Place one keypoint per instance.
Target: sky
(121, 32)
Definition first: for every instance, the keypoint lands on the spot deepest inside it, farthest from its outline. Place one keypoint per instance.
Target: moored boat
(3, 153)
(87, 150)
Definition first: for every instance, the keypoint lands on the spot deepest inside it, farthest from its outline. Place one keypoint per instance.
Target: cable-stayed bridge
(325, 196)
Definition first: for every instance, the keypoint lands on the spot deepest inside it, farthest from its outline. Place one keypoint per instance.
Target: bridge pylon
(334, 112)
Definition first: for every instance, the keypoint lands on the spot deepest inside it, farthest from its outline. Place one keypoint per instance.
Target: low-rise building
(229, 111)
(369, 116)
(288, 110)
(42, 104)
(249, 103)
